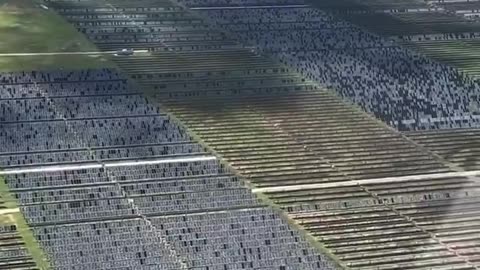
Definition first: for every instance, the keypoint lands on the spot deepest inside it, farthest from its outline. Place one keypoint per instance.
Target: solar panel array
(14, 254)
(400, 87)
(373, 197)
(107, 180)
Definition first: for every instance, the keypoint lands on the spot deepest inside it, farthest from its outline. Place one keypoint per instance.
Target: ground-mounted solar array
(18, 248)
(372, 197)
(107, 180)
(14, 254)
(446, 31)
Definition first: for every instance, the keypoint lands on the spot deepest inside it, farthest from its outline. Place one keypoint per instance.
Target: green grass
(37, 30)
(26, 28)
(17, 218)
(68, 62)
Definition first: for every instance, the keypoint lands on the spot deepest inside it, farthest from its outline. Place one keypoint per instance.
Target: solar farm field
(238, 134)
(348, 180)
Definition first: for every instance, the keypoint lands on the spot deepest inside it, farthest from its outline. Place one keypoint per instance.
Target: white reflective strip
(70, 167)
(159, 161)
(249, 7)
(367, 181)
